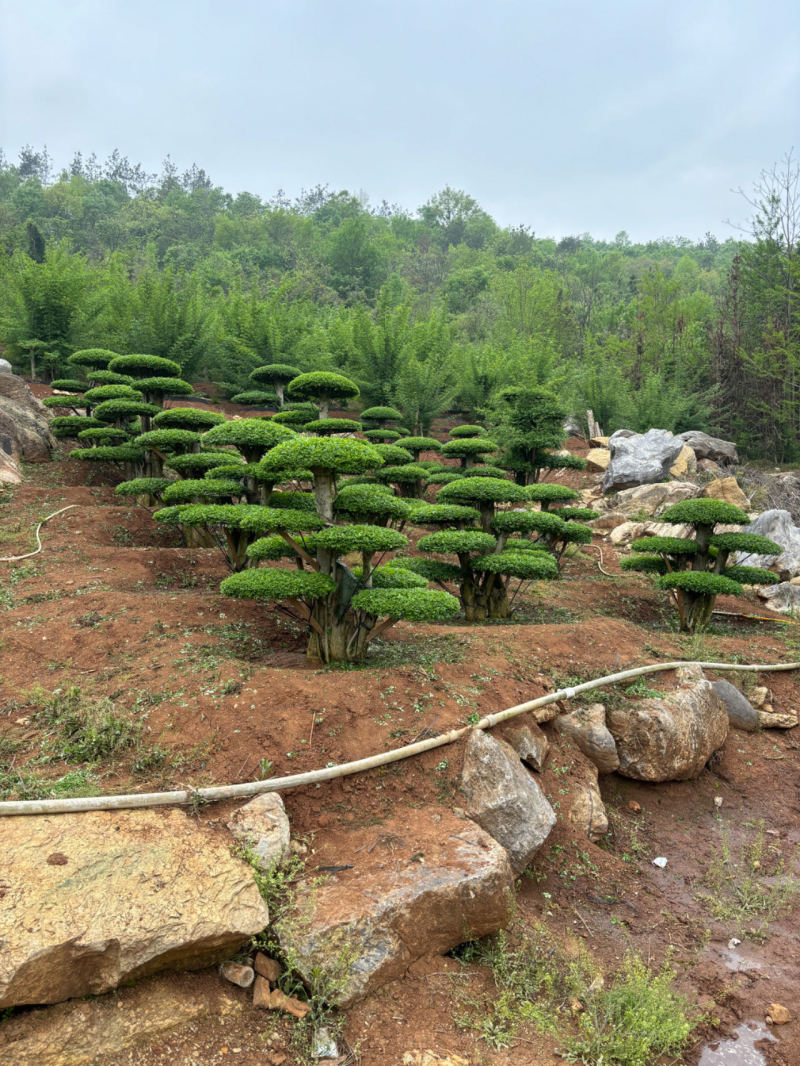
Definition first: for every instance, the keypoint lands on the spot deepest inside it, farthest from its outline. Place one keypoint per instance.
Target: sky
(569, 117)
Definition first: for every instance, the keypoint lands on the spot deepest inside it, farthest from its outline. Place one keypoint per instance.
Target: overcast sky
(570, 116)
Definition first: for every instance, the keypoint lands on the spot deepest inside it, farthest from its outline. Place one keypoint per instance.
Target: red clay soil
(115, 606)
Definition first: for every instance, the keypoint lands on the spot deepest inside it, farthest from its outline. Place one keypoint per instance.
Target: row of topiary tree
(310, 517)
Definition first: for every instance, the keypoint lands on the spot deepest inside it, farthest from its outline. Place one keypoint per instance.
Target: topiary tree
(468, 449)
(344, 612)
(257, 398)
(378, 417)
(694, 568)
(326, 427)
(278, 375)
(529, 424)
(193, 418)
(322, 387)
(482, 493)
(462, 432)
(417, 445)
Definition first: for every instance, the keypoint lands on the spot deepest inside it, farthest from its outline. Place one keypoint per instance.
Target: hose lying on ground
(329, 773)
(16, 558)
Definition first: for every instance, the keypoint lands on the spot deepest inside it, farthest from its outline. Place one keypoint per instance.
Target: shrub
(92, 357)
(194, 418)
(694, 568)
(275, 374)
(67, 426)
(468, 449)
(382, 415)
(416, 445)
(144, 366)
(459, 432)
(321, 387)
(253, 437)
(528, 423)
(324, 427)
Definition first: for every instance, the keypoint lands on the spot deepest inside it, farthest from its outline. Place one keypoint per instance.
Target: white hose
(255, 788)
(16, 558)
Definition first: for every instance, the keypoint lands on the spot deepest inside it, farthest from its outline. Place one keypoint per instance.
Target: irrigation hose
(329, 773)
(16, 558)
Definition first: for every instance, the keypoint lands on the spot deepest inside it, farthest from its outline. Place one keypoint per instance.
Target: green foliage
(392, 577)
(109, 453)
(431, 569)
(123, 410)
(393, 454)
(111, 392)
(170, 440)
(468, 448)
(142, 486)
(324, 427)
(92, 357)
(106, 377)
(382, 434)
(408, 474)
(252, 436)
(164, 386)
(68, 385)
(322, 383)
(665, 545)
(381, 414)
(701, 583)
(750, 575)
(100, 434)
(578, 514)
(549, 492)
(528, 522)
(751, 543)
(275, 373)
(361, 538)
(648, 564)
(82, 729)
(66, 426)
(255, 398)
(413, 605)
(194, 418)
(371, 501)
(457, 542)
(63, 401)
(706, 512)
(528, 423)
(205, 488)
(196, 463)
(338, 454)
(144, 366)
(271, 584)
(443, 514)
(481, 490)
(527, 565)
(459, 432)
(421, 444)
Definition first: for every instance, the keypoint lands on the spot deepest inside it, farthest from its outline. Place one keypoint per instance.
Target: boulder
(708, 466)
(91, 900)
(640, 459)
(777, 526)
(727, 489)
(669, 739)
(686, 463)
(587, 728)
(609, 521)
(650, 499)
(503, 798)
(626, 532)
(772, 720)
(414, 894)
(597, 459)
(24, 422)
(705, 447)
(5, 367)
(262, 826)
(741, 713)
(527, 740)
(783, 597)
(599, 442)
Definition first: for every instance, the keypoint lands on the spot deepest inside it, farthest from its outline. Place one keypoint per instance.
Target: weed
(634, 1021)
(639, 689)
(750, 887)
(82, 729)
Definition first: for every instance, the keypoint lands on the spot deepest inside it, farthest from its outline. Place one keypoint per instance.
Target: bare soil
(115, 606)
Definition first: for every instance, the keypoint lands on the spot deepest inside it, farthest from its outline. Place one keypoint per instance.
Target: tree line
(435, 310)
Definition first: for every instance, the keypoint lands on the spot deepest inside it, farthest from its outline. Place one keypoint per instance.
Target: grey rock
(587, 727)
(741, 713)
(650, 499)
(5, 367)
(778, 526)
(262, 826)
(669, 739)
(640, 459)
(705, 447)
(24, 422)
(503, 798)
(783, 597)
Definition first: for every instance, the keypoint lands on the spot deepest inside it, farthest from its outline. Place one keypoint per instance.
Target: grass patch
(632, 1022)
(748, 888)
(80, 729)
(385, 654)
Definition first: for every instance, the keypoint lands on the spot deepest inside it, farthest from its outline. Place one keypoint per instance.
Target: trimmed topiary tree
(322, 387)
(278, 375)
(468, 449)
(344, 611)
(695, 568)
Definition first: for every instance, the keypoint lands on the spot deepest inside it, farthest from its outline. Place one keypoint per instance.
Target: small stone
(324, 1046)
(275, 1058)
(279, 1001)
(759, 695)
(634, 806)
(777, 1014)
(733, 943)
(718, 802)
(243, 976)
(261, 993)
(660, 862)
(776, 721)
(267, 967)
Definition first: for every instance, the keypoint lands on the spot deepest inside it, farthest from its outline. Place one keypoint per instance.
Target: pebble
(660, 862)
(243, 976)
(778, 1014)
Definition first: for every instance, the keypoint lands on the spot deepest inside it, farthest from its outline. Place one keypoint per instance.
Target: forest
(434, 310)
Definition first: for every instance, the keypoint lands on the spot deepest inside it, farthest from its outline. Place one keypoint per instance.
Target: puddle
(735, 961)
(739, 1051)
